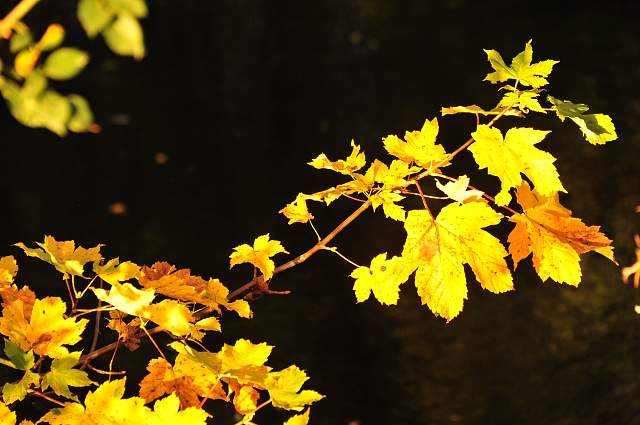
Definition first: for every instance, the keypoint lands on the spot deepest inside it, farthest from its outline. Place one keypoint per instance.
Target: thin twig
(16, 14)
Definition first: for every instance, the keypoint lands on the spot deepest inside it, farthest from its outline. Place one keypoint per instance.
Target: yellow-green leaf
(63, 255)
(521, 68)
(65, 63)
(124, 36)
(514, 155)
(113, 271)
(598, 129)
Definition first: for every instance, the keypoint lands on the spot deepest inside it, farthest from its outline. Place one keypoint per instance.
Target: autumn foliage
(144, 300)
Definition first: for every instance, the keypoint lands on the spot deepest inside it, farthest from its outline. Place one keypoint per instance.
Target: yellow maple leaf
(353, 163)
(297, 211)
(556, 239)
(220, 293)
(7, 417)
(258, 255)
(113, 271)
(329, 195)
(245, 399)
(63, 255)
(187, 380)
(457, 190)
(438, 249)
(164, 279)
(382, 278)
(41, 327)
(420, 146)
(170, 314)
(8, 270)
(515, 154)
(167, 412)
(103, 406)
(388, 201)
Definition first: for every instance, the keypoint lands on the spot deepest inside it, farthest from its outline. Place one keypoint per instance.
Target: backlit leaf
(420, 146)
(65, 63)
(284, 389)
(302, 419)
(18, 391)
(21, 360)
(259, 255)
(81, 115)
(52, 38)
(297, 211)
(94, 16)
(63, 375)
(521, 68)
(44, 328)
(438, 248)
(598, 129)
(167, 412)
(514, 155)
(353, 163)
(457, 190)
(474, 109)
(124, 36)
(114, 272)
(555, 238)
(8, 270)
(382, 278)
(63, 255)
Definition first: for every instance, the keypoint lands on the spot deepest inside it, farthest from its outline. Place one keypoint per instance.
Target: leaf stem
(59, 403)
(16, 14)
(300, 259)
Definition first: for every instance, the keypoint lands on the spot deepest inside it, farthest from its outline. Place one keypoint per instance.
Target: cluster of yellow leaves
(382, 184)
(180, 286)
(242, 370)
(437, 249)
(236, 374)
(105, 405)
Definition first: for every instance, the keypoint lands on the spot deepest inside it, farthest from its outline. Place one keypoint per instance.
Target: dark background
(240, 95)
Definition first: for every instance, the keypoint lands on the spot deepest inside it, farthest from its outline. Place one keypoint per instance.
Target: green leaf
(521, 69)
(137, 8)
(17, 392)
(63, 375)
(18, 357)
(598, 129)
(124, 36)
(54, 112)
(93, 16)
(81, 115)
(283, 389)
(65, 63)
(208, 360)
(302, 419)
(19, 41)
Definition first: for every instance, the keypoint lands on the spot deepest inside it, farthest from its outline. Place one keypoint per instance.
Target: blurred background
(207, 138)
